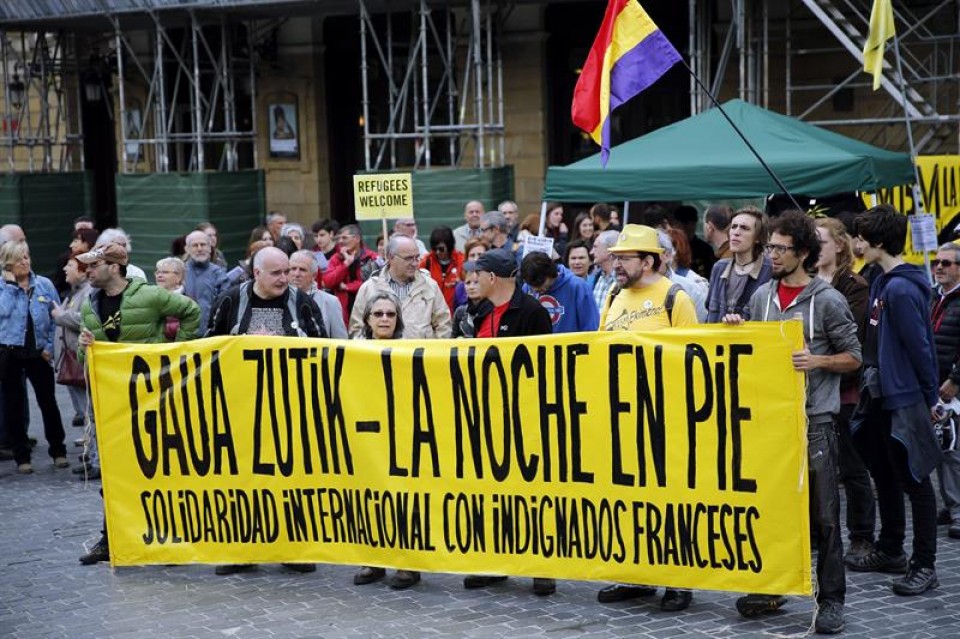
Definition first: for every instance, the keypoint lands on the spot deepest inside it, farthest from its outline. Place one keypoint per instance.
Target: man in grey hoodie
(831, 348)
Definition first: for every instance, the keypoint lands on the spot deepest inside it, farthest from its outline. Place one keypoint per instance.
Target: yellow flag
(881, 30)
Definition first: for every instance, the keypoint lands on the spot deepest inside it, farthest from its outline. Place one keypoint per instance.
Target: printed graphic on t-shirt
(266, 321)
(112, 321)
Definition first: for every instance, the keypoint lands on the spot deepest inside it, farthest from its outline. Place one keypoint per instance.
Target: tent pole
(766, 166)
(626, 213)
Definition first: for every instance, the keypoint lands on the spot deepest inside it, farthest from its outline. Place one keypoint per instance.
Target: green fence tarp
(45, 205)
(156, 208)
(703, 157)
(439, 196)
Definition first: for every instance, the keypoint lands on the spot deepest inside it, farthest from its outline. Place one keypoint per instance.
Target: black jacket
(224, 320)
(945, 315)
(524, 316)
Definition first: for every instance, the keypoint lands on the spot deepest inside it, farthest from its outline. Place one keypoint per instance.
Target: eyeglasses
(777, 249)
(943, 263)
(409, 259)
(623, 258)
(390, 314)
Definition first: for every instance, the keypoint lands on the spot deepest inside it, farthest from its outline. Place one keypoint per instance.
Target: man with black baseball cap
(509, 313)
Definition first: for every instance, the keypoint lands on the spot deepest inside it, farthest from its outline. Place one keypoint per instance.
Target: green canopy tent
(703, 157)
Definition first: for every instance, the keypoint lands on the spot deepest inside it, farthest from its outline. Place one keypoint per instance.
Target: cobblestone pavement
(47, 518)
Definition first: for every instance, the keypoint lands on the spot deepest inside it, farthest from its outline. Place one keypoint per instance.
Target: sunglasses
(943, 263)
(390, 314)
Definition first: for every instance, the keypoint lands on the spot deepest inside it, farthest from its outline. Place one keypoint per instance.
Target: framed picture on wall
(284, 128)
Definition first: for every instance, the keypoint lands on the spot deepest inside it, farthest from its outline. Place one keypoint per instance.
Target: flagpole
(919, 208)
(753, 150)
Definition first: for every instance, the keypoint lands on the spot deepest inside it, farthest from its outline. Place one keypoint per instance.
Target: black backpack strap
(670, 299)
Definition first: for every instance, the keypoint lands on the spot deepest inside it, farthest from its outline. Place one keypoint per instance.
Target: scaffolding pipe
(123, 97)
(163, 150)
(478, 99)
(198, 110)
(425, 145)
(365, 98)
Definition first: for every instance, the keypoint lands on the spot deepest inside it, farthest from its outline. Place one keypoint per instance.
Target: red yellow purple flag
(628, 55)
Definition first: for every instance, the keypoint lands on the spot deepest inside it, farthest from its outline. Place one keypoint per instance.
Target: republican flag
(881, 30)
(629, 54)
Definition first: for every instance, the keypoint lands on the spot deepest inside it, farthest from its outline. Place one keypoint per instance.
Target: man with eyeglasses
(425, 311)
(831, 348)
(945, 316)
(644, 300)
(407, 226)
(126, 309)
(494, 229)
(511, 212)
(734, 279)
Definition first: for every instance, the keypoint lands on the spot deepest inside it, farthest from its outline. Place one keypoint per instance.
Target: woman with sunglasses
(382, 319)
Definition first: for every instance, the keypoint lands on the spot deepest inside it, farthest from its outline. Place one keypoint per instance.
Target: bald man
(472, 212)
(203, 280)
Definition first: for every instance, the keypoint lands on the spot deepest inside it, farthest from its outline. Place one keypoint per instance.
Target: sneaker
(916, 581)
(858, 549)
(61, 462)
(751, 606)
(879, 561)
(25, 469)
(100, 552)
(829, 619)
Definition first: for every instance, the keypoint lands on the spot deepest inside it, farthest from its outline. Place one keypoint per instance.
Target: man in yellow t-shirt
(646, 301)
(643, 300)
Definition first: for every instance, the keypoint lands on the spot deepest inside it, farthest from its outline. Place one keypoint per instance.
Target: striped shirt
(602, 288)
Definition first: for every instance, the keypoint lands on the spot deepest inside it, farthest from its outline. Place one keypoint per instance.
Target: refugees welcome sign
(675, 458)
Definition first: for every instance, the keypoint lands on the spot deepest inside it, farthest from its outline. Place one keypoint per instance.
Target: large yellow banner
(940, 189)
(675, 458)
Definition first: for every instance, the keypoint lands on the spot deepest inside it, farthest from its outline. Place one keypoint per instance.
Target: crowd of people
(880, 355)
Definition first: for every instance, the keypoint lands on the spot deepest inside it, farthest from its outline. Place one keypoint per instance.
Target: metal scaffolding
(819, 43)
(41, 129)
(433, 116)
(193, 86)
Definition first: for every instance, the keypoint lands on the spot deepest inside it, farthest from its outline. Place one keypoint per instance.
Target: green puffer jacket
(143, 313)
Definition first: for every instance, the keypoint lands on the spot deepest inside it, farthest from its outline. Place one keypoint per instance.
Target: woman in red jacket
(349, 268)
(444, 262)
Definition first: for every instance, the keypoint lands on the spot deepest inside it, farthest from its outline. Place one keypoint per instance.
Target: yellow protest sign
(940, 188)
(383, 195)
(674, 458)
